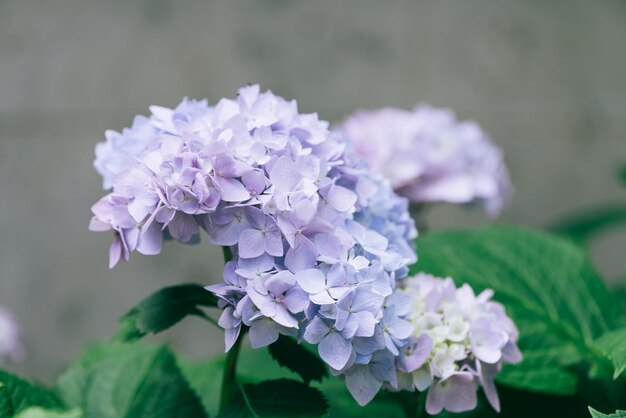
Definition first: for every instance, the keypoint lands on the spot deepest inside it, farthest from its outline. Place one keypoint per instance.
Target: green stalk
(229, 380)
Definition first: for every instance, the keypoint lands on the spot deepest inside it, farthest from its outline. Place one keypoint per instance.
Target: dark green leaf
(288, 353)
(163, 309)
(596, 414)
(37, 412)
(343, 405)
(583, 226)
(17, 394)
(613, 345)
(547, 285)
(277, 398)
(129, 381)
(524, 404)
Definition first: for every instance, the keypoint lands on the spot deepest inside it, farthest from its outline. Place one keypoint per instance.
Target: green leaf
(613, 345)
(288, 353)
(46, 413)
(163, 309)
(596, 414)
(205, 379)
(343, 405)
(17, 394)
(277, 398)
(583, 226)
(548, 287)
(129, 381)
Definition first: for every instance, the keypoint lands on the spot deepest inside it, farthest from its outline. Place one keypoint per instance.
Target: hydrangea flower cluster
(318, 242)
(10, 341)
(459, 341)
(430, 156)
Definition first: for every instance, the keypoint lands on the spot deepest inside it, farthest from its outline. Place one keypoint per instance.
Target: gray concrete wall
(545, 78)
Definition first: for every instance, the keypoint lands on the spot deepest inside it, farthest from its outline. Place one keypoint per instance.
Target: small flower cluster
(10, 341)
(318, 242)
(429, 156)
(459, 341)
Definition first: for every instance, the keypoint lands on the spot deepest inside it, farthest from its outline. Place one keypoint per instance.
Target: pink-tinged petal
(455, 394)
(251, 243)
(487, 374)
(341, 199)
(335, 350)
(435, 400)
(311, 281)
(362, 385)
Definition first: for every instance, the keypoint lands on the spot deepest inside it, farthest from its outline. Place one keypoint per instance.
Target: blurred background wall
(545, 79)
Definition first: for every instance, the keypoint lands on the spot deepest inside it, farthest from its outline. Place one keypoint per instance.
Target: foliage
(613, 345)
(17, 395)
(276, 398)
(596, 414)
(129, 380)
(571, 336)
(163, 309)
(549, 288)
(288, 353)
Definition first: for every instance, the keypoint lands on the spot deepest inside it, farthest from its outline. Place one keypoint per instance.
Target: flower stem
(229, 384)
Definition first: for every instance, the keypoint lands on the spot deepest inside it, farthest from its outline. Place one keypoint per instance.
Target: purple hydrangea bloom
(318, 241)
(460, 341)
(430, 156)
(10, 341)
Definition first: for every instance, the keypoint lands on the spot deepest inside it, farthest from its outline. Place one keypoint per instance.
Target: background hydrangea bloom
(430, 156)
(318, 241)
(459, 342)
(10, 341)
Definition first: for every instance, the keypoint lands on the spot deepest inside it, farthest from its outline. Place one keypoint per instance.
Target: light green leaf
(163, 309)
(129, 381)
(596, 414)
(205, 380)
(17, 394)
(548, 287)
(46, 413)
(613, 345)
(277, 398)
